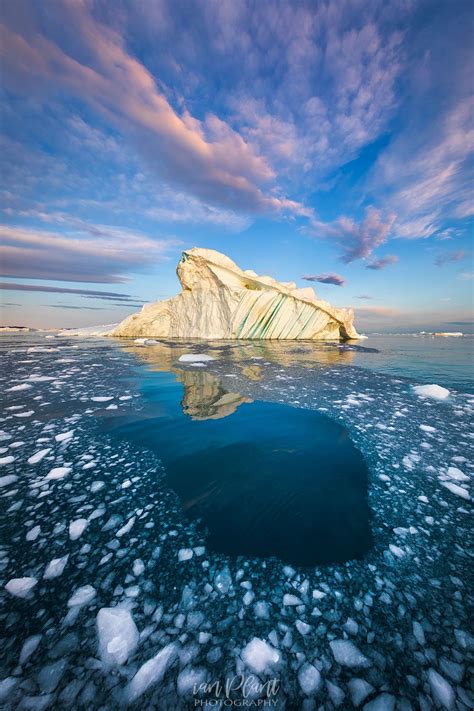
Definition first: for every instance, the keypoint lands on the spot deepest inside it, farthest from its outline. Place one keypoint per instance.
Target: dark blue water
(262, 479)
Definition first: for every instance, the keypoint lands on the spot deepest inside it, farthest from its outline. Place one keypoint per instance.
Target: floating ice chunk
(117, 633)
(383, 702)
(195, 358)
(7, 480)
(7, 686)
(77, 528)
(398, 552)
(464, 639)
(102, 398)
(418, 633)
(347, 654)
(289, 599)
(150, 673)
(359, 690)
(33, 533)
(15, 388)
(50, 676)
(58, 473)
(190, 680)
(309, 679)
(427, 428)
(28, 413)
(29, 647)
(82, 596)
(457, 474)
(434, 391)
(302, 627)
(125, 529)
(318, 594)
(185, 554)
(64, 436)
(21, 587)
(55, 567)
(336, 694)
(38, 456)
(259, 656)
(441, 690)
(6, 460)
(96, 486)
(262, 610)
(455, 489)
(138, 567)
(223, 581)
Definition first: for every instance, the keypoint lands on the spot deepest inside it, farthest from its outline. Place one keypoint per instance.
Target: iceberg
(221, 301)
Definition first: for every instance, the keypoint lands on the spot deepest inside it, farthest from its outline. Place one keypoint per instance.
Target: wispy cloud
(450, 257)
(93, 253)
(383, 262)
(364, 296)
(356, 240)
(89, 293)
(335, 279)
(207, 157)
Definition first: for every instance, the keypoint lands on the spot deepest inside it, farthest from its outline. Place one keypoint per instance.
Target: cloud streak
(335, 279)
(377, 264)
(94, 253)
(450, 257)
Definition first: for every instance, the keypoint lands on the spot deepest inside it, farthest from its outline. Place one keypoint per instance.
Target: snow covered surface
(133, 607)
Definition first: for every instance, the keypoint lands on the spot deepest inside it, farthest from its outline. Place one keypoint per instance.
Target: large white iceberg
(221, 301)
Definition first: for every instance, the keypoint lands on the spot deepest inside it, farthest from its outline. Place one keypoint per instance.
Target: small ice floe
(33, 533)
(259, 656)
(77, 528)
(457, 474)
(309, 679)
(195, 358)
(289, 600)
(64, 436)
(347, 654)
(125, 529)
(58, 473)
(150, 673)
(455, 489)
(16, 388)
(117, 634)
(96, 486)
(189, 680)
(102, 398)
(185, 554)
(383, 702)
(7, 480)
(437, 392)
(397, 552)
(427, 428)
(28, 413)
(82, 596)
(6, 460)
(359, 690)
(30, 645)
(442, 692)
(55, 567)
(21, 587)
(38, 456)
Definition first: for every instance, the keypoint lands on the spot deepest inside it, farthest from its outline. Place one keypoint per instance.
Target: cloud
(335, 279)
(375, 311)
(383, 262)
(466, 276)
(206, 156)
(364, 296)
(450, 257)
(92, 253)
(357, 240)
(12, 286)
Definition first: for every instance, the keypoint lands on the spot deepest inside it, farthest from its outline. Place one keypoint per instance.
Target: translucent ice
(347, 654)
(55, 568)
(258, 655)
(21, 587)
(117, 633)
(309, 679)
(150, 673)
(441, 690)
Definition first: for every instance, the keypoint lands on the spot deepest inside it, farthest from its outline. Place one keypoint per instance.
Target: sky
(327, 143)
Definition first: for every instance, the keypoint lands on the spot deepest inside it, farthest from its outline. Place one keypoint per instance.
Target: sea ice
(58, 473)
(359, 689)
(21, 587)
(195, 358)
(8, 479)
(29, 647)
(309, 679)
(118, 635)
(434, 391)
(55, 567)
(77, 528)
(64, 436)
(457, 474)
(82, 596)
(347, 654)
(6, 460)
(38, 456)
(15, 388)
(150, 673)
(189, 680)
(455, 489)
(258, 655)
(441, 690)
(291, 600)
(383, 702)
(185, 554)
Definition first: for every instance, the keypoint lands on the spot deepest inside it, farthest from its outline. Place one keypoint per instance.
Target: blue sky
(329, 143)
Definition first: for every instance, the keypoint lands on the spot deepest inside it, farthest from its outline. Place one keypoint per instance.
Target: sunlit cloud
(383, 262)
(335, 279)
